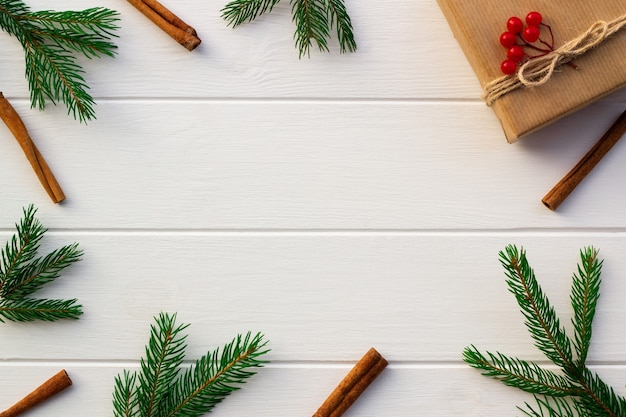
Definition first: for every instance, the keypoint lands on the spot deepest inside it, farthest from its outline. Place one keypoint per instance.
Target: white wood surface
(334, 203)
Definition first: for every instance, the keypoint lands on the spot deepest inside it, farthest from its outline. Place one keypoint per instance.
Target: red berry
(533, 18)
(507, 39)
(514, 24)
(531, 33)
(508, 66)
(516, 53)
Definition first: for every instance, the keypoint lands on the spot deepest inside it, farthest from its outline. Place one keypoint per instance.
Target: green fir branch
(584, 298)
(87, 32)
(50, 40)
(310, 17)
(41, 271)
(341, 20)
(29, 309)
(241, 11)
(124, 402)
(215, 375)
(22, 273)
(21, 249)
(164, 388)
(579, 392)
(551, 407)
(518, 373)
(10, 10)
(599, 397)
(314, 20)
(541, 319)
(164, 356)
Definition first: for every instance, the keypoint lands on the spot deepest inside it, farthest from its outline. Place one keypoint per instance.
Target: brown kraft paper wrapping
(477, 25)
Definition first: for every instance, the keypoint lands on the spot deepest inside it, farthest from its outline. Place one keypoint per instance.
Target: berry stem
(551, 44)
(551, 34)
(536, 48)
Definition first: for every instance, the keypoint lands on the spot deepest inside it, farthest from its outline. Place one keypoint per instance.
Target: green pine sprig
(314, 20)
(51, 40)
(164, 387)
(575, 391)
(23, 272)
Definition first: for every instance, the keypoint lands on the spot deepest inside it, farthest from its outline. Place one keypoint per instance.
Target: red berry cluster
(517, 37)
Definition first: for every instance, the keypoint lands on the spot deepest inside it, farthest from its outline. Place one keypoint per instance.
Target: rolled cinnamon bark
(353, 385)
(15, 124)
(53, 386)
(569, 182)
(168, 22)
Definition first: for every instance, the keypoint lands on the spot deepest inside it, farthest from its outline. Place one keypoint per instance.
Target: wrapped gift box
(477, 25)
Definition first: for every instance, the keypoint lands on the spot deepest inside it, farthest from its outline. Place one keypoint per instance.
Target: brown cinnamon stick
(353, 385)
(569, 182)
(168, 22)
(54, 385)
(15, 124)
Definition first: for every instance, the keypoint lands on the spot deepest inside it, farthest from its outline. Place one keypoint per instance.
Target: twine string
(537, 71)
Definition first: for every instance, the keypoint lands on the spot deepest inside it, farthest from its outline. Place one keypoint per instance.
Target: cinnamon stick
(353, 385)
(168, 22)
(569, 182)
(15, 124)
(54, 385)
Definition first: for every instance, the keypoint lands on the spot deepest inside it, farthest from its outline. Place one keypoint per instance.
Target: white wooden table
(333, 203)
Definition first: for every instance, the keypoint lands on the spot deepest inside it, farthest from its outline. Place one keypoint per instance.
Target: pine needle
(241, 11)
(340, 19)
(576, 391)
(22, 273)
(311, 25)
(164, 387)
(541, 319)
(518, 373)
(584, 297)
(314, 21)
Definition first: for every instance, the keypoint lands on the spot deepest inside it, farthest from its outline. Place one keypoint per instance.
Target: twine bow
(537, 71)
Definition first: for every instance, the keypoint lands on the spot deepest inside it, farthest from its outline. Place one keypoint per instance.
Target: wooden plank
(405, 389)
(310, 165)
(415, 296)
